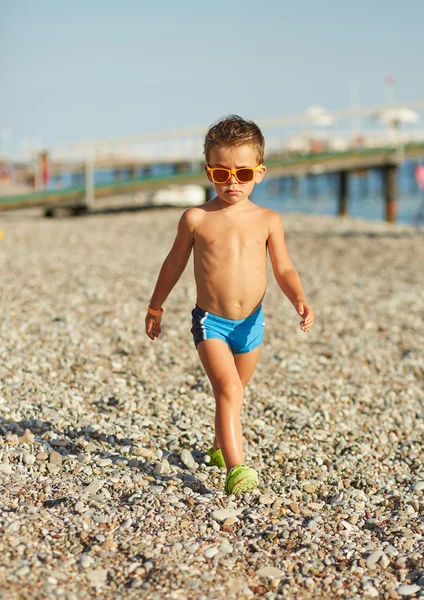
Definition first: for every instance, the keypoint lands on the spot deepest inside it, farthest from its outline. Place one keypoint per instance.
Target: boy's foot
(217, 460)
(240, 479)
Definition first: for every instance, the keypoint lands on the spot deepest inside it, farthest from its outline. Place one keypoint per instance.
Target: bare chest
(225, 237)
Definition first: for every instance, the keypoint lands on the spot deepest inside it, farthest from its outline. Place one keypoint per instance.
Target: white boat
(178, 195)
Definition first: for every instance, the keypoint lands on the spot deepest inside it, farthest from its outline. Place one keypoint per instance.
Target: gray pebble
(225, 513)
(374, 558)
(226, 548)
(408, 590)
(97, 576)
(187, 459)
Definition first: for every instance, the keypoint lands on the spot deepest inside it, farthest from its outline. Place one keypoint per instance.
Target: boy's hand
(305, 311)
(153, 326)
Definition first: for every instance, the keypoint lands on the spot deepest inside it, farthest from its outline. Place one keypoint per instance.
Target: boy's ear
(260, 174)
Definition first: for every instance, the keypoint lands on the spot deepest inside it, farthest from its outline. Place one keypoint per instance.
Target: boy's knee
(229, 389)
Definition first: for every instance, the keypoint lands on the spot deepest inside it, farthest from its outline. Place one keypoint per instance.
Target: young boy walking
(230, 236)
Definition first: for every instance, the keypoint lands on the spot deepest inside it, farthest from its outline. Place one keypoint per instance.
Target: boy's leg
(245, 365)
(219, 364)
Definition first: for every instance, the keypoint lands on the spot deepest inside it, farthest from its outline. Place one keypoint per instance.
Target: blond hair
(234, 131)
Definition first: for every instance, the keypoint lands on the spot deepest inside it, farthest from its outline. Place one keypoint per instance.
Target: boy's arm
(171, 270)
(285, 273)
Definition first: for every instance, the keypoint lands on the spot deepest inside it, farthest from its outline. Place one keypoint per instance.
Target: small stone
(294, 507)
(59, 443)
(309, 487)
(29, 459)
(127, 523)
(101, 518)
(86, 561)
(5, 468)
(187, 459)
(224, 513)
(93, 488)
(226, 548)
(271, 572)
(418, 486)
(391, 550)
(370, 591)
(162, 468)
(373, 559)
(277, 503)
(230, 521)
(55, 458)
(210, 552)
(27, 437)
(53, 469)
(97, 577)
(408, 590)
(264, 499)
(143, 452)
(110, 545)
(384, 561)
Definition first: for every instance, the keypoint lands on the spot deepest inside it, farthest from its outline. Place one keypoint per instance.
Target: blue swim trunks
(241, 336)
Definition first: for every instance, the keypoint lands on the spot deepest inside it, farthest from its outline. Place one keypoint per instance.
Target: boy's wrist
(155, 311)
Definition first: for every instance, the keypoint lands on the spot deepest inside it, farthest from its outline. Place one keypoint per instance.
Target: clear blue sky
(91, 69)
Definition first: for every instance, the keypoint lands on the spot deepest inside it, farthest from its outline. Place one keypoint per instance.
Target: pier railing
(83, 198)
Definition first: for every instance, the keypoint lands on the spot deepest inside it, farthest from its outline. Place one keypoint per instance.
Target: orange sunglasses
(243, 175)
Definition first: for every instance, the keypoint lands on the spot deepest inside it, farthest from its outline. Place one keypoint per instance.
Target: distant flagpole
(355, 103)
(389, 89)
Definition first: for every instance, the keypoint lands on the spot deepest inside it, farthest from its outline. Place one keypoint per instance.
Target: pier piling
(295, 186)
(343, 193)
(89, 183)
(390, 189)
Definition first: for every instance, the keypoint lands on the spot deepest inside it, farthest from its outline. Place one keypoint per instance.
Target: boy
(230, 236)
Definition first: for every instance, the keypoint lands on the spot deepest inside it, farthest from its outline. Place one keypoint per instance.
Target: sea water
(317, 194)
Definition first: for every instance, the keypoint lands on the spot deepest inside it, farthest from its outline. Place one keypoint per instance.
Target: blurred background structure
(102, 100)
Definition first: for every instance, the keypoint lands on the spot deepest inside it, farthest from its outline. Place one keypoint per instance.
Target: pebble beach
(106, 491)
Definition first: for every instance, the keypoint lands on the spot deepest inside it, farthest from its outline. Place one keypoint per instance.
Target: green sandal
(217, 460)
(240, 479)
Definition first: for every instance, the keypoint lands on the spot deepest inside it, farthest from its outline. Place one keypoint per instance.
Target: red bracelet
(155, 313)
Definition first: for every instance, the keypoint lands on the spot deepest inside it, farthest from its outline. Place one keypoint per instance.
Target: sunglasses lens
(220, 175)
(245, 175)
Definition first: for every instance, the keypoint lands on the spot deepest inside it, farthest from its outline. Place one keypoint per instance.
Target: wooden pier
(82, 198)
